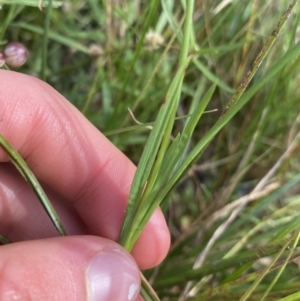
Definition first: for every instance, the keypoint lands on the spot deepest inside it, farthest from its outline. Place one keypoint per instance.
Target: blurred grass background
(110, 56)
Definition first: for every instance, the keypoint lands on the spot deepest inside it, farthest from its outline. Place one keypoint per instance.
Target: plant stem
(45, 41)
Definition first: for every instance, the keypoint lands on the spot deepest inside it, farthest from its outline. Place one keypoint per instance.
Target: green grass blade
(151, 14)
(167, 7)
(187, 32)
(161, 154)
(24, 170)
(45, 41)
(10, 16)
(246, 257)
(233, 107)
(171, 158)
(93, 89)
(261, 56)
(287, 259)
(259, 278)
(157, 168)
(225, 288)
(148, 157)
(165, 120)
(292, 297)
(71, 43)
(194, 119)
(196, 152)
(34, 3)
(211, 77)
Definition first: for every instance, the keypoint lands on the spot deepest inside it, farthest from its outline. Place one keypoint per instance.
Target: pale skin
(87, 179)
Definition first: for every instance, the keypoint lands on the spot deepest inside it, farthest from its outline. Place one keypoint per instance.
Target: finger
(23, 218)
(65, 151)
(68, 268)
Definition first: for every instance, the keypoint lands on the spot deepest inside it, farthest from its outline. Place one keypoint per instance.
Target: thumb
(68, 268)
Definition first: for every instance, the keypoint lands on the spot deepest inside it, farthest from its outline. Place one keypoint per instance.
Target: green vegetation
(204, 97)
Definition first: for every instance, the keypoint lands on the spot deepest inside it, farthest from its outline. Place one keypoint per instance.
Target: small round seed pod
(15, 54)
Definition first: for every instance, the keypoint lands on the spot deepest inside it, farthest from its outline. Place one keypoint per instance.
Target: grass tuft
(227, 180)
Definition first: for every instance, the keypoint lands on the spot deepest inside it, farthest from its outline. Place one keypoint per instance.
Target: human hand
(88, 181)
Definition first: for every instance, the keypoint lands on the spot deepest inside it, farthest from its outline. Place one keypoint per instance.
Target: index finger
(67, 152)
